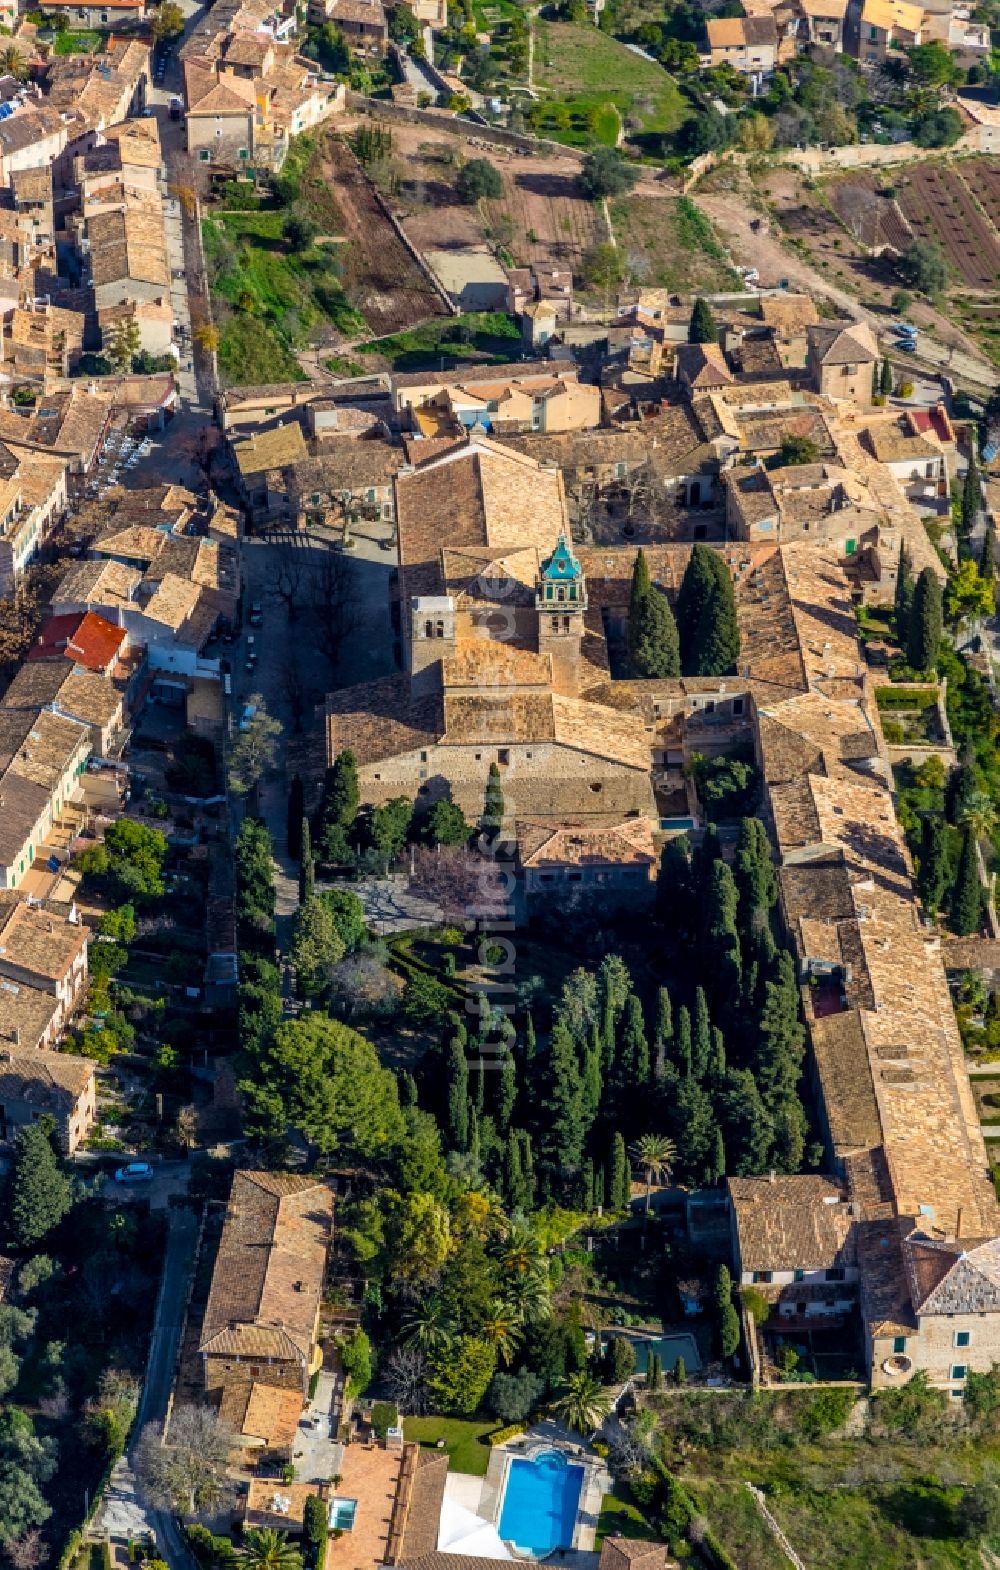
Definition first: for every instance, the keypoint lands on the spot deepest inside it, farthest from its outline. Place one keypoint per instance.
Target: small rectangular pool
(540, 1503)
(342, 1513)
(667, 1348)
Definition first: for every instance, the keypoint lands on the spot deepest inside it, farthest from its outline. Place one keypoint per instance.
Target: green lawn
(466, 1440)
(584, 69)
(620, 1516)
(680, 248)
(82, 43)
(489, 336)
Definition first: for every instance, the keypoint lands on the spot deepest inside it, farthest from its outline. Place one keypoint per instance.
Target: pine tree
(904, 595)
(296, 812)
(39, 1192)
(701, 1036)
(654, 647)
(972, 492)
(619, 1191)
(457, 1078)
(924, 632)
(966, 895)
(506, 1090)
(702, 327)
(932, 880)
(307, 866)
(683, 1051)
(493, 805)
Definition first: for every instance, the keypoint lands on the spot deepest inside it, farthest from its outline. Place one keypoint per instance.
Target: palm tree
(429, 1326)
(502, 1329)
(265, 1548)
(13, 63)
(980, 814)
(583, 1405)
(521, 1251)
(529, 1298)
(656, 1154)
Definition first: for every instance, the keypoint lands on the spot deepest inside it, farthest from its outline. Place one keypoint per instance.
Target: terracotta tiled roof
(801, 1221)
(588, 842)
(87, 639)
(270, 1265)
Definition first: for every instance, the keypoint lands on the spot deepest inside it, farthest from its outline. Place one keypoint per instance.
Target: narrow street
(123, 1513)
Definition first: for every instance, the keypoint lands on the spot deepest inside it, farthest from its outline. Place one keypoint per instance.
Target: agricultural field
(668, 242)
(540, 218)
(938, 204)
(581, 70)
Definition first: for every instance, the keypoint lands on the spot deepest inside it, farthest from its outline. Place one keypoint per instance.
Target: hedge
(500, 1436)
(906, 697)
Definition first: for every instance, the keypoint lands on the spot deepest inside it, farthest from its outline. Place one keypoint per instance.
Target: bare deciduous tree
(334, 605)
(187, 1472)
(407, 1380)
(292, 562)
(462, 882)
(296, 693)
(28, 1551)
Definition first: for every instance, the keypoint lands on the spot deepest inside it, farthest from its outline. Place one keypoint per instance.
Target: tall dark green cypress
(754, 870)
(924, 632)
(307, 866)
(972, 492)
(506, 1090)
(904, 595)
(620, 1186)
(457, 1072)
(634, 1050)
(988, 560)
(493, 803)
(702, 326)
(701, 1036)
(682, 1040)
(696, 590)
(967, 895)
(932, 879)
(513, 1177)
(715, 646)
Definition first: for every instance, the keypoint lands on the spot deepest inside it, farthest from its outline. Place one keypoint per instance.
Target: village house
(117, 14)
(84, 695)
(886, 26)
(40, 341)
(84, 638)
(71, 424)
(362, 22)
(841, 360)
(34, 204)
(45, 951)
(261, 1322)
(747, 43)
(42, 756)
(33, 497)
(795, 1244)
(565, 864)
(46, 1084)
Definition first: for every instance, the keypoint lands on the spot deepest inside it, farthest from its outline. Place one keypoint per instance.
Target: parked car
(256, 614)
(135, 1172)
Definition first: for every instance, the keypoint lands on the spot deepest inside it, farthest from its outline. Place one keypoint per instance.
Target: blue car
(135, 1172)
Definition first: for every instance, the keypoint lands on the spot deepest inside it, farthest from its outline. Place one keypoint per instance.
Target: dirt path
(732, 215)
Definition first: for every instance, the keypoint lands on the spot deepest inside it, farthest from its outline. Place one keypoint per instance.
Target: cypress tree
(608, 1040)
(727, 1319)
(682, 1050)
(932, 879)
(457, 1074)
(641, 584)
(307, 866)
(694, 1121)
(904, 595)
(407, 1089)
(719, 1155)
(723, 953)
(527, 1167)
(663, 1034)
(477, 1082)
(587, 1184)
(673, 882)
(717, 1067)
(506, 1090)
(529, 1038)
(885, 381)
(593, 1084)
(566, 1118)
(513, 1177)
(697, 588)
(780, 1041)
(39, 1192)
(754, 870)
(702, 327)
(654, 647)
(634, 1052)
(493, 803)
(619, 1192)
(972, 492)
(296, 812)
(876, 381)
(341, 799)
(789, 1134)
(701, 1036)
(745, 1125)
(924, 632)
(988, 561)
(715, 646)
(966, 895)
(474, 1138)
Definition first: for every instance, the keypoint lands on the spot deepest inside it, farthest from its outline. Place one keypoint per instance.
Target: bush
(477, 179)
(500, 1436)
(385, 1415)
(827, 1411)
(619, 1360)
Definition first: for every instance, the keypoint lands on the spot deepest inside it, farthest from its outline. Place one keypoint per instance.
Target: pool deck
(582, 1554)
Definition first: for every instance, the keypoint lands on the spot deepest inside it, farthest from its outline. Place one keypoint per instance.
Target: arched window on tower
(428, 629)
(440, 629)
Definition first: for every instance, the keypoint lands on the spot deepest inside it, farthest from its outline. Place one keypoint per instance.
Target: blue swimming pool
(540, 1502)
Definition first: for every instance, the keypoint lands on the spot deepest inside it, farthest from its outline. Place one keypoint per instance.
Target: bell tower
(560, 602)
